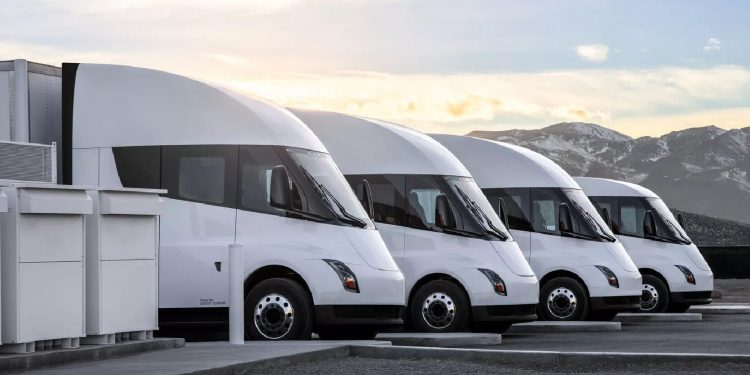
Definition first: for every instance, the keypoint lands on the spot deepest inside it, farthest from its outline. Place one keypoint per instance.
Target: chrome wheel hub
(438, 310)
(649, 297)
(274, 316)
(562, 303)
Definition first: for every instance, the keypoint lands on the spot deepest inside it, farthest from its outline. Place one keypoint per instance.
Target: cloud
(226, 59)
(457, 103)
(712, 44)
(596, 53)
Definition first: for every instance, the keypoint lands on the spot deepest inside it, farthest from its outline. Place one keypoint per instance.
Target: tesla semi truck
(584, 271)
(463, 270)
(237, 170)
(675, 275)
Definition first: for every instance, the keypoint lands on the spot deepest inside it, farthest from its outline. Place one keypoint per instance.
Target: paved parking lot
(716, 334)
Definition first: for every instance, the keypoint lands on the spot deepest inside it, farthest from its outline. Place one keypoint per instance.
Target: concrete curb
(663, 317)
(84, 353)
(343, 351)
(721, 309)
(442, 340)
(547, 358)
(558, 327)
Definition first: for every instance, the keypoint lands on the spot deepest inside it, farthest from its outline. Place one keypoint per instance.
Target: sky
(639, 67)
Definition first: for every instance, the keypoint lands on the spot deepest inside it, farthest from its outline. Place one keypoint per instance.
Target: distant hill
(704, 170)
(705, 230)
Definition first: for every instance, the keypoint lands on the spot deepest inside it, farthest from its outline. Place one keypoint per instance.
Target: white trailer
(463, 269)
(675, 275)
(584, 270)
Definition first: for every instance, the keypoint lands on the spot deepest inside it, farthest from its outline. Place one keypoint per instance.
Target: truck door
(198, 224)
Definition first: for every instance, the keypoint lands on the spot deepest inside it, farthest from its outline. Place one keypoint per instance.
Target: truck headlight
(611, 277)
(498, 285)
(689, 277)
(347, 277)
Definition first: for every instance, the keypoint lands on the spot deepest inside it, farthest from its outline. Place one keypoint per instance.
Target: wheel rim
(562, 303)
(274, 316)
(439, 310)
(649, 297)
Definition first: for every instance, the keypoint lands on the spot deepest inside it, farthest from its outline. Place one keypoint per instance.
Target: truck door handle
(218, 266)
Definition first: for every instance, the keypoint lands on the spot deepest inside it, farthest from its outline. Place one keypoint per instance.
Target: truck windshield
(476, 203)
(330, 184)
(670, 228)
(589, 214)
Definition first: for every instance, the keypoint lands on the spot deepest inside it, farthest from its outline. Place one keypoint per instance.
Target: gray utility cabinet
(42, 251)
(122, 264)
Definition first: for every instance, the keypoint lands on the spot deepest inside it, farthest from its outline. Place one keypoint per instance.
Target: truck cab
(675, 275)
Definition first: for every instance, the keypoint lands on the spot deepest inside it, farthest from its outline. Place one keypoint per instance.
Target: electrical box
(42, 257)
(122, 264)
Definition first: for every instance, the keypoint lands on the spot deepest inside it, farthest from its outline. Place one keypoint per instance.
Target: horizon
(606, 127)
(638, 68)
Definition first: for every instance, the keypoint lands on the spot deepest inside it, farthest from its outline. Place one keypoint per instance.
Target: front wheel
(278, 309)
(654, 296)
(440, 306)
(563, 299)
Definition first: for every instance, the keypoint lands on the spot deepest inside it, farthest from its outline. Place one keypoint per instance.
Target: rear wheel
(440, 306)
(278, 309)
(563, 299)
(654, 295)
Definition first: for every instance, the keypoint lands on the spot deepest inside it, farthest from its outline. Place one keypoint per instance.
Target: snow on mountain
(705, 170)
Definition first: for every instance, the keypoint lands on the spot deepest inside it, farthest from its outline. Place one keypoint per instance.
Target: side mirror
(681, 220)
(443, 214)
(649, 224)
(281, 195)
(606, 217)
(367, 199)
(564, 218)
(502, 211)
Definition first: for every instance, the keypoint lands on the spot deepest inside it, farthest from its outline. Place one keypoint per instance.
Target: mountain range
(703, 170)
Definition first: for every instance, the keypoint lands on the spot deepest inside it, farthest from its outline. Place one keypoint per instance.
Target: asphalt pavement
(716, 334)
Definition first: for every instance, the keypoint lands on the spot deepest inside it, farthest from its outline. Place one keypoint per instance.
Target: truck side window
(388, 198)
(631, 216)
(516, 203)
(138, 166)
(422, 192)
(201, 173)
(545, 207)
(256, 164)
(610, 203)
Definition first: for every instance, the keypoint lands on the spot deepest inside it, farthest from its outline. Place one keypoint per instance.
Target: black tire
(454, 307)
(678, 307)
(602, 315)
(654, 287)
(558, 292)
(498, 327)
(291, 293)
(346, 333)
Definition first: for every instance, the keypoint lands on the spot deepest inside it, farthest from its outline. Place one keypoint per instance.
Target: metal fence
(728, 262)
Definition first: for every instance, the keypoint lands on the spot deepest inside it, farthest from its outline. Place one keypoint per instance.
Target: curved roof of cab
(116, 105)
(500, 165)
(603, 187)
(367, 146)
